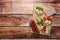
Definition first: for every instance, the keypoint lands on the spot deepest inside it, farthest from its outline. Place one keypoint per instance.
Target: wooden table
(26, 32)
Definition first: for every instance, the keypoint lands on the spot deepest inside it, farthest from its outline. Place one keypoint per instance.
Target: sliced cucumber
(39, 21)
(47, 32)
(39, 10)
(47, 22)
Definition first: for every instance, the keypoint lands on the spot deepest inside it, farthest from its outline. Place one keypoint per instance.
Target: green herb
(47, 22)
(47, 31)
(39, 10)
(39, 21)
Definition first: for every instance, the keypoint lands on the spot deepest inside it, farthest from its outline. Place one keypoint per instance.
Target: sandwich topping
(39, 10)
(41, 23)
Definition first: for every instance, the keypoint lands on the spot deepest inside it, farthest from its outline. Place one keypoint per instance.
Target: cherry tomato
(34, 26)
(44, 28)
(49, 18)
(45, 18)
(32, 23)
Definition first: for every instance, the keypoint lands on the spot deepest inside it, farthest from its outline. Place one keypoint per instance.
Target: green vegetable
(47, 22)
(39, 21)
(42, 21)
(47, 32)
(39, 10)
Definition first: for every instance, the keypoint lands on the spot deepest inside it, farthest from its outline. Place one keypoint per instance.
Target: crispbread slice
(39, 26)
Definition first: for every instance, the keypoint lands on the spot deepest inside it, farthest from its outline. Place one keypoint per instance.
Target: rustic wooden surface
(29, 39)
(30, 1)
(26, 32)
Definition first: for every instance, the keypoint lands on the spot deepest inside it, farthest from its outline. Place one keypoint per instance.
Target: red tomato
(49, 18)
(34, 26)
(44, 28)
(45, 18)
(33, 21)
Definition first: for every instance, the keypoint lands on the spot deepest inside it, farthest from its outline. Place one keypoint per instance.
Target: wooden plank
(15, 20)
(5, 0)
(30, 1)
(16, 8)
(47, 0)
(15, 32)
(5, 39)
(28, 39)
(56, 20)
(34, 39)
(26, 32)
(16, 1)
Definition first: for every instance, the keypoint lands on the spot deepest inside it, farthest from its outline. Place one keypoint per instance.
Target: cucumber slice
(47, 32)
(39, 10)
(39, 21)
(47, 22)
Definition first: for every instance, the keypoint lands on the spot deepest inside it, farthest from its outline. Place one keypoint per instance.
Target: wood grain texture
(21, 8)
(29, 39)
(15, 32)
(16, 8)
(56, 20)
(16, 1)
(26, 32)
(30, 1)
(47, 0)
(15, 20)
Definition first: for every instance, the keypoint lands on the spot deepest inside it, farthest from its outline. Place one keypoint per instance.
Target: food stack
(41, 22)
